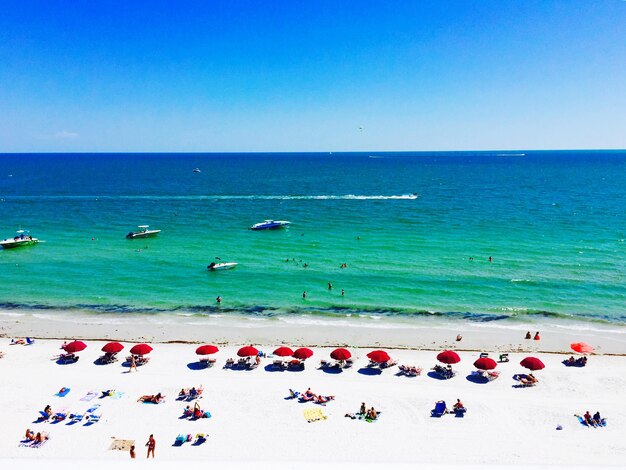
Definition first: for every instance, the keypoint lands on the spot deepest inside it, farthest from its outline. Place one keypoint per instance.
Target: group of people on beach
(309, 396)
(537, 337)
(39, 437)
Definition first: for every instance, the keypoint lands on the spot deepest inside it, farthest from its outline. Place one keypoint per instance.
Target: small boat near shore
(22, 238)
(270, 225)
(143, 232)
(196, 170)
(221, 266)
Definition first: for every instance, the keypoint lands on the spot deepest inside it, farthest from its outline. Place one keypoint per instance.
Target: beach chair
(208, 362)
(278, 364)
(59, 416)
(200, 439)
(44, 416)
(484, 354)
(94, 418)
(504, 357)
(76, 418)
(30, 341)
(296, 364)
(459, 412)
(440, 409)
(349, 363)
(181, 439)
(229, 363)
(67, 358)
(293, 394)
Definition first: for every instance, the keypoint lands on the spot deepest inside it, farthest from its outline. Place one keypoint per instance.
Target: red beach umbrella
(112, 348)
(485, 363)
(283, 351)
(248, 351)
(532, 363)
(141, 349)
(448, 357)
(75, 346)
(302, 353)
(582, 348)
(206, 350)
(379, 356)
(340, 354)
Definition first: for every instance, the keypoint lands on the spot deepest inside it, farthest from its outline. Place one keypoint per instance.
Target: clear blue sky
(298, 75)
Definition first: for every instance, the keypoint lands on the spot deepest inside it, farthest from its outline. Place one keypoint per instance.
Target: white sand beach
(253, 421)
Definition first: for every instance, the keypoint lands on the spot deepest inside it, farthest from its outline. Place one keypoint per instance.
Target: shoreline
(402, 334)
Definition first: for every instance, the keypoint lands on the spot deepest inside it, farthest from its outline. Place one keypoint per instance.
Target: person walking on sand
(151, 445)
(133, 364)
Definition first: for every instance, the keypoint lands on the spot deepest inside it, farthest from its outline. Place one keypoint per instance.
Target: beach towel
(64, 391)
(90, 396)
(314, 414)
(122, 444)
(92, 409)
(117, 395)
(33, 444)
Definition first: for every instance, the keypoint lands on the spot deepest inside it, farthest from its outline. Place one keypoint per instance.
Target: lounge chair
(504, 357)
(200, 439)
(293, 394)
(30, 341)
(484, 354)
(278, 364)
(93, 418)
(208, 362)
(67, 358)
(181, 439)
(229, 363)
(440, 409)
(296, 364)
(44, 416)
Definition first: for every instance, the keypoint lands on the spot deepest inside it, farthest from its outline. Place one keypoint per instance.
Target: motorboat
(270, 224)
(22, 238)
(197, 170)
(143, 232)
(221, 266)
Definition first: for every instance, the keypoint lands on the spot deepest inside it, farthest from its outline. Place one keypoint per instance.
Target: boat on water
(221, 266)
(143, 232)
(197, 170)
(22, 238)
(270, 224)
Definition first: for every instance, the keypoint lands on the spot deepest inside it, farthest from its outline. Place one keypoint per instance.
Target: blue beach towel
(64, 391)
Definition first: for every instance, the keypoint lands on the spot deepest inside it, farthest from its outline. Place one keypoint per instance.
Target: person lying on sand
(29, 435)
(371, 413)
(40, 437)
(323, 399)
(18, 341)
(152, 398)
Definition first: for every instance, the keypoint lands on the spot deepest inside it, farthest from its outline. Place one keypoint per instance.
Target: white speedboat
(22, 238)
(197, 170)
(143, 232)
(220, 266)
(270, 224)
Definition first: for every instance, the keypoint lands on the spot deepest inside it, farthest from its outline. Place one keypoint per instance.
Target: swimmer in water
(342, 292)
(490, 259)
(330, 286)
(219, 299)
(304, 295)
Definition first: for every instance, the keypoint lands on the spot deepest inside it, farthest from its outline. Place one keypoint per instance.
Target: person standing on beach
(133, 364)
(132, 452)
(151, 444)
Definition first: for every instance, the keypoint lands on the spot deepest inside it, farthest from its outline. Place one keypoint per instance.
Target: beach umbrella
(283, 351)
(248, 351)
(206, 350)
(532, 363)
(485, 363)
(141, 349)
(582, 348)
(448, 357)
(340, 354)
(112, 348)
(75, 346)
(379, 356)
(302, 353)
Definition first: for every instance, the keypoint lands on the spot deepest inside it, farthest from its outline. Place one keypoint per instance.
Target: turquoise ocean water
(553, 222)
